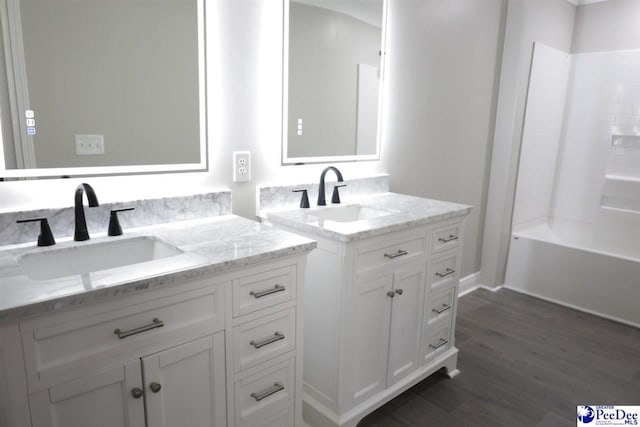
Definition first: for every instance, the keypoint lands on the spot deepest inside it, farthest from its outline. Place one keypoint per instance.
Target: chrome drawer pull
(391, 294)
(444, 308)
(277, 336)
(396, 255)
(448, 239)
(268, 392)
(157, 323)
(260, 294)
(440, 344)
(446, 273)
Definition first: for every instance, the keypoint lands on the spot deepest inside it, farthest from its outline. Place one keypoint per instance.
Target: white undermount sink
(94, 256)
(348, 213)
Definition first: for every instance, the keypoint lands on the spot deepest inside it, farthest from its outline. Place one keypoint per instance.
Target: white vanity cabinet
(379, 318)
(219, 350)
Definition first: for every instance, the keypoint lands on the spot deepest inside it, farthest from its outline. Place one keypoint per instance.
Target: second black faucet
(81, 233)
(321, 197)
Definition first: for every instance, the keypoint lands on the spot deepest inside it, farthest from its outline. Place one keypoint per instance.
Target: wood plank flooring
(523, 362)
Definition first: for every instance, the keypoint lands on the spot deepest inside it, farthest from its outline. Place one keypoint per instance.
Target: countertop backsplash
(281, 197)
(147, 212)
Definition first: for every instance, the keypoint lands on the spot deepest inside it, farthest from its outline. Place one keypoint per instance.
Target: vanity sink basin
(94, 256)
(348, 213)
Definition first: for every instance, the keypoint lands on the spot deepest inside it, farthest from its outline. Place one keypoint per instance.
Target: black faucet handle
(114, 225)
(304, 201)
(46, 236)
(335, 197)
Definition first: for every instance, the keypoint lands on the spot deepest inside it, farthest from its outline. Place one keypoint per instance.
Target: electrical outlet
(241, 166)
(89, 145)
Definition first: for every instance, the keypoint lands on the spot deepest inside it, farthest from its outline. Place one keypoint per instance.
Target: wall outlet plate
(241, 166)
(89, 145)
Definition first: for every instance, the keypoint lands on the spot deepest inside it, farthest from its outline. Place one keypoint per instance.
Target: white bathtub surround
(579, 247)
(147, 212)
(282, 197)
(574, 273)
(541, 136)
(601, 127)
(210, 245)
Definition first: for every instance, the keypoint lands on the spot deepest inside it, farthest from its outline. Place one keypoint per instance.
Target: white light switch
(89, 145)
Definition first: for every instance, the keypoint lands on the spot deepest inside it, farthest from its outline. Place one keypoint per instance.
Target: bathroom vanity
(210, 335)
(380, 299)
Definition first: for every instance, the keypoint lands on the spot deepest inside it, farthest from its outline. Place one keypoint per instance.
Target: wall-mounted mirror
(102, 87)
(333, 68)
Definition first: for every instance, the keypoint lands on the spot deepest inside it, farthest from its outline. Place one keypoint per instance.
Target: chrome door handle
(268, 392)
(396, 254)
(156, 323)
(136, 392)
(399, 291)
(446, 273)
(260, 294)
(277, 336)
(155, 387)
(440, 344)
(444, 308)
(391, 294)
(448, 239)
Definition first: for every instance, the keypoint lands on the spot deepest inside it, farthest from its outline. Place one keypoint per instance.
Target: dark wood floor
(523, 362)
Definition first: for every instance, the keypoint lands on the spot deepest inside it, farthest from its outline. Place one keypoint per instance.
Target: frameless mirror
(334, 63)
(102, 87)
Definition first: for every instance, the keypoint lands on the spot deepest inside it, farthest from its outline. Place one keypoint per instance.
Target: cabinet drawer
(437, 339)
(447, 237)
(443, 271)
(281, 418)
(262, 394)
(108, 333)
(386, 255)
(440, 306)
(263, 339)
(263, 290)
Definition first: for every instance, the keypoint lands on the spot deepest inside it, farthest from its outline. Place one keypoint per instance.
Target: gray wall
(325, 48)
(123, 69)
(549, 22)
(610, 25)
(442, 76)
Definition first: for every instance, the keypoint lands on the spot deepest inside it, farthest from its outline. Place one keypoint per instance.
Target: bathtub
(570, 264)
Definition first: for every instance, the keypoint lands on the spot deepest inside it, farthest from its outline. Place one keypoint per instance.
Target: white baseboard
(471, 283)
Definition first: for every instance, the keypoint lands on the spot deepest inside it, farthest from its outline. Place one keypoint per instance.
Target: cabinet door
(372, 305)
(101, 400)
(406, 323)
(185, 385)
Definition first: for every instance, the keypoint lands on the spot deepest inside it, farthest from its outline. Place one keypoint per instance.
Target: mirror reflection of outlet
(89, 145)
(241, 166)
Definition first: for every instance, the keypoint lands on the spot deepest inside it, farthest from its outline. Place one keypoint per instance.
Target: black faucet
(81, 232)
(321, 199)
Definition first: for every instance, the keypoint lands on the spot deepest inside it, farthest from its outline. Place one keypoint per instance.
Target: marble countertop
(400, 211)
(209, 246)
